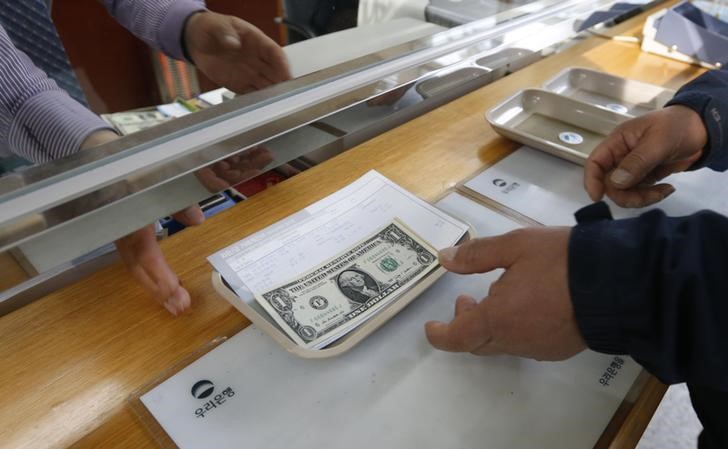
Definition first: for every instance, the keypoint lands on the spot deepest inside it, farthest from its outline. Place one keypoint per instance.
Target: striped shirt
(38, 120)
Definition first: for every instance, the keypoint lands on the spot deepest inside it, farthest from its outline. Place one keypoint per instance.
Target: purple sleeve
(38, 120)
(159, 23)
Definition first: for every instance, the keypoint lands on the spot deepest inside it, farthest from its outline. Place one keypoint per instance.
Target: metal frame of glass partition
(68, 197)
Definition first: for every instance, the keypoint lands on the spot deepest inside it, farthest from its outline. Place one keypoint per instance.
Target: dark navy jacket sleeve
(655, 288)
(708, 96)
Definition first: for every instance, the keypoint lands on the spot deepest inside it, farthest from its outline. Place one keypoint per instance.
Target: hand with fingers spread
(234, 169)
(142, 255)
(628, 165)
(233, 53)
(145, 261)
(527, 311)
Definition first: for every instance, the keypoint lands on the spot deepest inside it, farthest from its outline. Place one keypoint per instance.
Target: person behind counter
(42, 107)
(653, 287)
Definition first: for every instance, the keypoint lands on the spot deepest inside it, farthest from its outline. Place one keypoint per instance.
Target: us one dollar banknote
(130, 122)
(335, 297)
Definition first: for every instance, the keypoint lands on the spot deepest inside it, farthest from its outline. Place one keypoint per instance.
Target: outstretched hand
(145, 261)
(141, 253)
(233, 53)
(527, 312)
(234, 169)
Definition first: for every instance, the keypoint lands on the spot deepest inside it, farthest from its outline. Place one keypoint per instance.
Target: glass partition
(358, 69)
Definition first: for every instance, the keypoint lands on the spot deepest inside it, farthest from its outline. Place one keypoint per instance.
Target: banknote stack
(130, 122)
(334, 298)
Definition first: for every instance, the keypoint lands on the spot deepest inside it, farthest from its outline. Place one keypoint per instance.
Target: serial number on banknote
(337, 296)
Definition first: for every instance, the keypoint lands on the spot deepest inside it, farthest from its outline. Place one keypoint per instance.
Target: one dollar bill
(130, 122)
(335, 297)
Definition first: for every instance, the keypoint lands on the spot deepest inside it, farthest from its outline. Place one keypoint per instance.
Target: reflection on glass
(449, 13)
(353, 29)
(315, 35)
(234, 169)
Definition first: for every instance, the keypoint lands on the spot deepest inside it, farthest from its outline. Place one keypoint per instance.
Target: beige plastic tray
(611, 92)
(267, 325)
(559, 125)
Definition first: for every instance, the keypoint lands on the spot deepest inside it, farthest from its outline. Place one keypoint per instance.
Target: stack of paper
(329, 268)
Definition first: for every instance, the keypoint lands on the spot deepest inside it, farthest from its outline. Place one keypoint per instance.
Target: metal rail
(82, 202)
(71, 188)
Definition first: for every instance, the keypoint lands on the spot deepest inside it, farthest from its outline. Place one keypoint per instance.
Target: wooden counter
(69, 362)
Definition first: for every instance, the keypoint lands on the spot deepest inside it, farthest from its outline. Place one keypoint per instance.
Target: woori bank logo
(504, 186)
(202, 389)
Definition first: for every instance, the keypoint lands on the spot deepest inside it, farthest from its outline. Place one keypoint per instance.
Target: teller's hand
(233, 53)
(142, 255)
(145, 261)
(234, 169)
(527, 312)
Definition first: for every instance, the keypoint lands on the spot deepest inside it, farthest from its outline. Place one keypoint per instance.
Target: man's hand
(234, 53)
(234, 169)
(141, 253)
(641, 152)
(527, 311)
(144, 259)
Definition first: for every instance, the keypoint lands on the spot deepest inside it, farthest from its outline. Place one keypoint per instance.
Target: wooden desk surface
(69, 362)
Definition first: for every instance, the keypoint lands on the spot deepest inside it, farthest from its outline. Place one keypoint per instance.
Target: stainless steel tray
(559, 125)
(617, 94)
